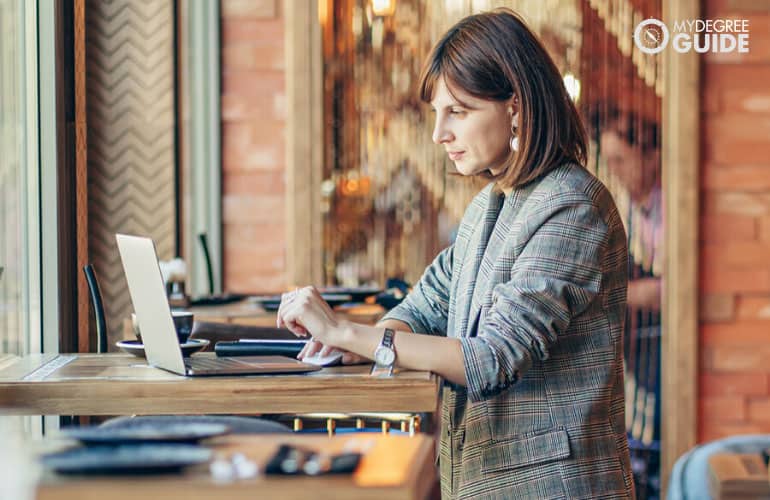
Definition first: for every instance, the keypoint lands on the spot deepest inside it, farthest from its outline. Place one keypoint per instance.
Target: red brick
(253, 82)
(759, 409)
(727, 358)
(734, 9)
(737, 178)
(261, 258)
(244, 9)
(733, 384)
(764, 228)
(736, 255)
(748, 101)
(738, 333)
(252, 209)
(729, 150)
(738, 126)
(263, 283)
(735, 203)
(716, 307)
(251, 30)
(256, 183)
(728, 227)
(237, 107)
(253, 145)
(711, 100)
(267, 236)
(719, 279)
(751, 307)
(736, 76)
(723, 408)
(719, 228)
(253, 56)
(710, 431)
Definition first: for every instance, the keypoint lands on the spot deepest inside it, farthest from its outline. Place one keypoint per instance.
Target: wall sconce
(383, 7)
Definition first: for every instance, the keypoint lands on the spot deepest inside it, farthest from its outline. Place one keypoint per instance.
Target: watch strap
(387, 338)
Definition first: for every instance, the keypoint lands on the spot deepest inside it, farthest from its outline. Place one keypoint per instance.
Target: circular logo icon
(651, 36)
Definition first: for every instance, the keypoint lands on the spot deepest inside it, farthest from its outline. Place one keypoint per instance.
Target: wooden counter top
(121, 384)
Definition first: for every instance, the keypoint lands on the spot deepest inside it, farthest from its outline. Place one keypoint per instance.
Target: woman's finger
(303, 352)
(350, 358)
(297, 329)
(327, 350)
(313, 347)
(285, 299)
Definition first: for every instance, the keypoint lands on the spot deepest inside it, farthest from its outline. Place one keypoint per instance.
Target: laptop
(161, 345)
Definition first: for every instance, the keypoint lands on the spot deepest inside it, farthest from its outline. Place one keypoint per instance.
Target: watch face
(384, 356)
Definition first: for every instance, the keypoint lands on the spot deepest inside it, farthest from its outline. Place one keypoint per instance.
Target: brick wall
(735, 230)
(253, 158)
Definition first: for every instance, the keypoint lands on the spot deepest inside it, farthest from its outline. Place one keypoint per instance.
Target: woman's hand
(348, 358)
(304, 312)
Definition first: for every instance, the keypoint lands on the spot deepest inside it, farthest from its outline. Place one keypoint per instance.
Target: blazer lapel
(501, 228)
(477, 244)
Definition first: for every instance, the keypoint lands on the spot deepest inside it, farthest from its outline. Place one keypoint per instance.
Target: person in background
(522, 316)
(629, 144)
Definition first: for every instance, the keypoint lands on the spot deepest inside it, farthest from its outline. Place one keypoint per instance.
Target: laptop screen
(148, 295)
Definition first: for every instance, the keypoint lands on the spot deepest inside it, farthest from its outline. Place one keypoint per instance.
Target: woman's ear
(513, 108)
(513, 104)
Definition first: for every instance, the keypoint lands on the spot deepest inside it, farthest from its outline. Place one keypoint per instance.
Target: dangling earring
(514, 138)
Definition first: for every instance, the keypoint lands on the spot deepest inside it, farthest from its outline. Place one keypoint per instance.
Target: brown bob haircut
(494, 55)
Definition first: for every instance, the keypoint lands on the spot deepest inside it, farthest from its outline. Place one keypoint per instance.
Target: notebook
(161, 345)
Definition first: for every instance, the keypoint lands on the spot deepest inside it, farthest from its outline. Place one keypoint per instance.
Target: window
(19, 191)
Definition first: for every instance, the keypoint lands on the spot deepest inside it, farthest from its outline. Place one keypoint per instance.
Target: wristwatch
(385, 355)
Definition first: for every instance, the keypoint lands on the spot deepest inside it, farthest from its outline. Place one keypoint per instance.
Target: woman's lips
(455, 155)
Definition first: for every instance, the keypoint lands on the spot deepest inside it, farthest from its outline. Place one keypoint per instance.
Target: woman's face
(475, 132)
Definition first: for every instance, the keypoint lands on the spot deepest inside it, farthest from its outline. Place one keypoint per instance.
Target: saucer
(137, 348)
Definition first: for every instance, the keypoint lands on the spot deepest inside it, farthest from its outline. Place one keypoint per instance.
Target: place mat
(142, 432)
(126, 459)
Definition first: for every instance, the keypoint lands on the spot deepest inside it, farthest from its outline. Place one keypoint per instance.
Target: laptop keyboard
(214, 364)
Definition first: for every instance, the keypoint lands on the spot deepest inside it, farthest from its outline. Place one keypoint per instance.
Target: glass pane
(19, 267)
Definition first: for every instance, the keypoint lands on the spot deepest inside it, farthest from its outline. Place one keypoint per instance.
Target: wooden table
(197, 483)
(121, 384)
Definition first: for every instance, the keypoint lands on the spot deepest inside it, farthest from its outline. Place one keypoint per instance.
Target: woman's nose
(440, 133)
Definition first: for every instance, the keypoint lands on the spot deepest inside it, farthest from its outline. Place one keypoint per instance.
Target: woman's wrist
(357, 338)
(343, 334)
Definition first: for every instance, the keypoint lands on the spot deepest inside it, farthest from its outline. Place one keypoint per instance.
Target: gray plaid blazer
(534, 287)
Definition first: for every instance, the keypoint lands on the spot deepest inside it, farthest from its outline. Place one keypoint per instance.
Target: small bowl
(183, 323)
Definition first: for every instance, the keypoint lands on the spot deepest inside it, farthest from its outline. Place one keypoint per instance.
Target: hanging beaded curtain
(621, 102)
(388, 203)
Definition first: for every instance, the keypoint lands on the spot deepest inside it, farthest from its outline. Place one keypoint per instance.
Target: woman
(523, 315)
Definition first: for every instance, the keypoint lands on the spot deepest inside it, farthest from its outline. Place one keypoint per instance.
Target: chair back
(98, 307)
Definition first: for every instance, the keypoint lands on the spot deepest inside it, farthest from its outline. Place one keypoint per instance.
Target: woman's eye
(455, 111)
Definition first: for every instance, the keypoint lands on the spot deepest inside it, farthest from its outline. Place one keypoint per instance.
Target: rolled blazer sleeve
(555, 276)
(426, 308)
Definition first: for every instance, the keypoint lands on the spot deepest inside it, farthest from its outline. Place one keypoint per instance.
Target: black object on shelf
(218, 300)
(295, 460)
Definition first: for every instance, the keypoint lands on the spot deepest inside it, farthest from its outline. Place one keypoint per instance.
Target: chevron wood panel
(130, 106)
